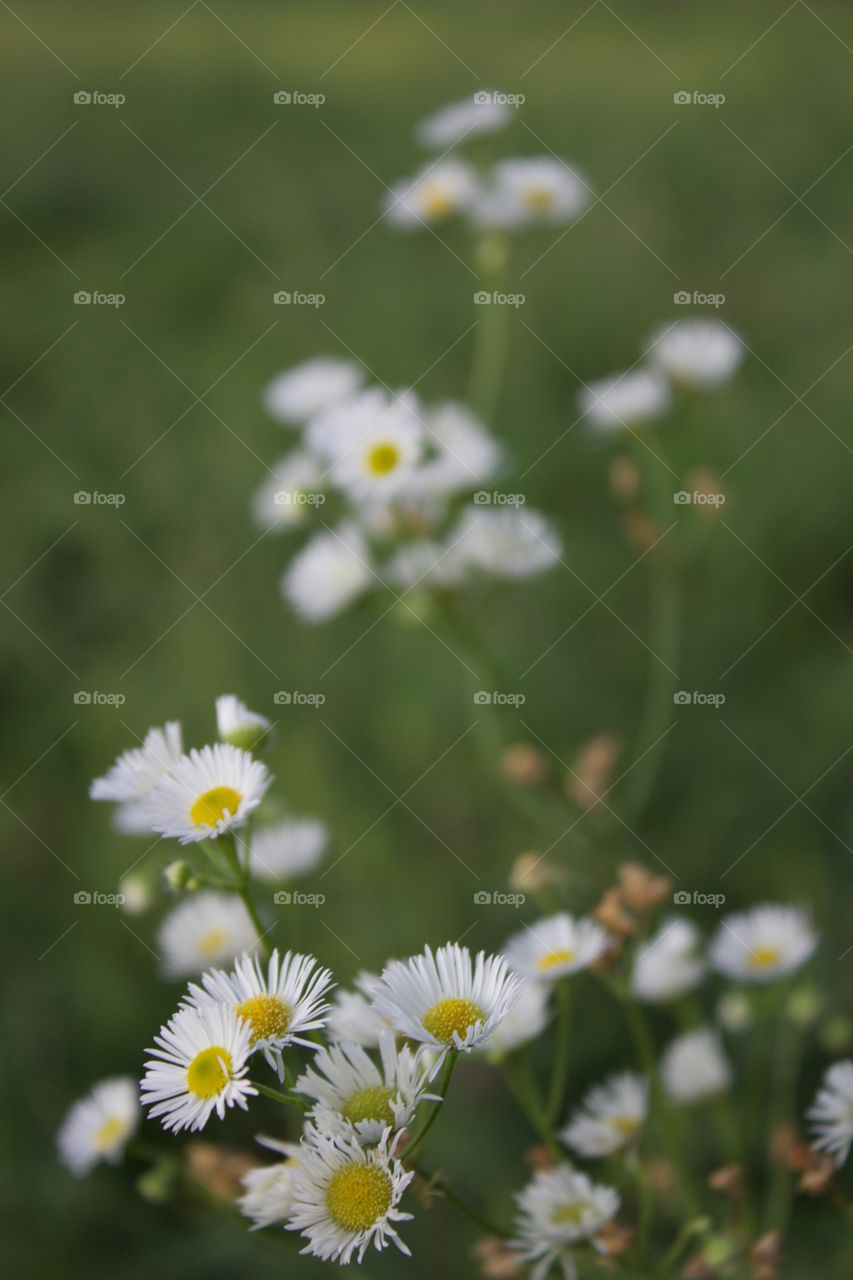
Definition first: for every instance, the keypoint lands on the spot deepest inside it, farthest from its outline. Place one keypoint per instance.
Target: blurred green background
(171, 599)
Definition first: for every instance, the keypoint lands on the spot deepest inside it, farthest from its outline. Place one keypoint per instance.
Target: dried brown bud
(525, 764)
(698, 1269)
(765, 1256)
(615, 1239)
(531, 872)
(661, 1176)
(218, 1170)
(706, 492)
(592, 770)
(642, 889)
(815, 1169)
(539, 1157)
(624, 476)
(640, 532)
(426, 1190)
(728, 1181)
(611, 913)
(783, 1141)
(496, 1260)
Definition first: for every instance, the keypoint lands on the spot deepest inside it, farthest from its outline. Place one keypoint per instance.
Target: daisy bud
(836, 1035)
(591, 772)
(815, 1169)
(611, 913)
(239, 726)
(525, 764)
(496, 1261)
(708, 497)
(642, 889)
(615, 1239)
(540, 1157)
(136, 895)
(728, 1181)
(804, 1006)
(532, 873)
(178, 875)
(640, 532)
(624, 477)
(218, 1170)
(764, 1256)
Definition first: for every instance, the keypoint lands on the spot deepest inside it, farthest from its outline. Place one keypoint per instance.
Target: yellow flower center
(369, 1104)
(553, 958)
(209, 1072)
(626, 1125)
(383, 458)
(357, 1196)
(452, 1015)
(267, 1015)
(571, 1214)
(765, 957)
(539, 199)
(436, 202)
(212, 942)
(109, 1133)
(213, 805)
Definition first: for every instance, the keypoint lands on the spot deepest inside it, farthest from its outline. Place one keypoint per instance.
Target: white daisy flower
(694, 1067)
(439, 191)
(239, 726)
(697, 353)
(269, 1189)
(764, 943)
(464, 457)
(559, 1209)
(207, 928)
(626, 400)
(668, 965)
(831, 1114)
(197, 1067)
(328, 574)
(299, 393)
(136, 772)
(130, 819)
(526, 1020)
(207, 793)
(532, 190)
(98, 1126)
(377, 459)
(610, 1117)
(460, 121)
(353, 1017)
(290, 493)
(505, 542)
(287, 849)
(352, 1094)
(281, 1000)
(557, 946)
(444, 999)
(426, 564)
(345, 1197)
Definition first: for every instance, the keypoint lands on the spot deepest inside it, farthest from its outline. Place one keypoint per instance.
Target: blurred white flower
(696, 353)
(464, 455)
(556, 946)
(439, 191)
(734, 1011)
(206, 793)
(763, 944)
(328, 574)
(287, 849)
(694, 1067)
(526, 1020)
(377, 460)
(560, 1208)
(99, 1125)
(207, 928)
(299, 393)
(267, 1198)
(239, 726)
(831, 1114)
(459, 121)
(610, 1116)
(668, 965)
(531, 190)
(625, 400)
(426, 564)
(353, 1016)
(505, 542)
(290, 493)
(198, 1066)
(135, 772)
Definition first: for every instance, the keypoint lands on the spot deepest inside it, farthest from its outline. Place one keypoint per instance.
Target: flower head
(764, 943)
(239, 726)
(560, 1208)
(526, 1020)
(376, 458)
(668, 965)
(328, 574)
(697, 353)
(206, 793)
(483, 112)
(442, 189)
(505, 542)
(292, 488)
(98, 1126)
(135, 773)
(556, 946)
(694, 1067)
(269, 1189)
(198, 1066)
(207, 928)
(831, 1114)
(532, 190)
(289, 848)
(353, 1017)
(625, 400)
(610, 1117)
(308, 388)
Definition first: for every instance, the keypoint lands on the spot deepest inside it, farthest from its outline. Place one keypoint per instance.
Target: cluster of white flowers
(395, 484)
(507, 195)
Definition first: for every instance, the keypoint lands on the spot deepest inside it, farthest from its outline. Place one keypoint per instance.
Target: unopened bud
(531, 873)
(836, 1035)
(178, 875)
(641, 889)
(525, 764)
(592, 771)
(624, 476)
(706, 491)
(611, 914)
(728, 1181)
(735, 1011)
(804, 1006)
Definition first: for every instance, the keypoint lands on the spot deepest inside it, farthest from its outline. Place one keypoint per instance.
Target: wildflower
(99, 1125)
(506, 542)
(531, 190)
(694, 1067)
(831, 1114)
(764, 943)
(268, 1195)
(625, 400)
(557, 946)
(206, 793)
(208, 928)
(308, 388)
(439, 191)
(197, 1067)
(353, 1017)
(285, 499)
(459, 121)
(289, 848)
(558, 1210)
(239, 726)
(668, 965)
(610, 1117)
(700, 354)
(526, 1020)
(328, 574)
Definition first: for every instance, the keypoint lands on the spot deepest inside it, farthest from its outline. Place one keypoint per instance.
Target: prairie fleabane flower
(98, 1126)
(557, 946)
(268, 1195)
(668, 965)
(764, 943)
(289, 494)
(377, 459)
(280, 1000)
(610, 1117)
(286, 849)
(446, 999)
(526, 1020)
(694, 1066)
(198, 1066)
(353, 1017)
(559, 1209)
(831, 1114)
(625, 400)
(207, 928)
(206, 793)
(483, 112)
(531, 191)
(463, 453)
(239, 726)
(505, 542)
(134, 775)
(299, 393)
(444, 188)
(697, 353)
(328, 574)
(345, 1197)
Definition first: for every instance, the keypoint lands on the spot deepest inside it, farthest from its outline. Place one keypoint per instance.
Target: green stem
(421, 1133)
(437, 1180)
(560, 1070)
(491, 255)
(789, 1043)
(243, 887)
(277, 1096)
(522, 1086)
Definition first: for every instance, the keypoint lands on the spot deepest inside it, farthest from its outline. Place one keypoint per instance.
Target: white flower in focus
(328, 574)
(465, 455)
(239, 726)
(444, 998)
(668, 965)
(377, 460)
(136, 772)
(529, 191)
(460, 121)
(831, 1114)
(697, 353)
(353, 1095)
(626, 400)
(610, 1116)
(207, 928)
(281, 1000)
(99, 1125)
(353, 1017)
(505, 542)
(763, 944)
(287, 849)
(308, 388)
(694, 1067)
(197, 1067)
(345, 1197)
(560, 1208)
(268, 1196)
(439, 191)
(206, 793)
(557, 946)
(288, 495)
(526, 1020)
